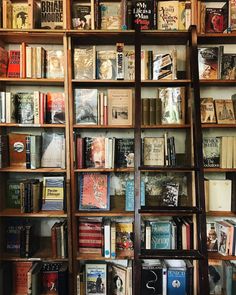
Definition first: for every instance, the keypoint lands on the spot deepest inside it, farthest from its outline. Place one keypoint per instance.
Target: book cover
(211, 151)
(223, 235)
(124, 152)
(207, 110)
(152, 279)
(86, 106)
(110, 15)
(81, 16)
(53, 193)
(212, 241)
(129, 64)
(216, 17)
(232, 15)
(84, 63)
(17, 149)
(176, 281)
(153, 151)
(24, 107)
(168, 15)
(160, 235)
(20, 271)
(170, 193)
(13, 70)
(172, 105)
(144, 14)
(106, 64)
(217, 189)
(215, 271)
(94, 192)
(53, 152)
(224, 111)
(55, 112)
(4, 151)
(12, 232)
(94, 152)
(20, 15)
(162, 66)
(120, 111)
(96, 279)
(52, 14)
(55, 63)
(124, 236)
(3, 62)
(118, 280)
(13, 194)
(228, 66)
(208, 63)
(129, 195)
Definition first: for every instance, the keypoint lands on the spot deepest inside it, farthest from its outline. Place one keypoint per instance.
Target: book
(168, 15)
(20, 15)
(106, 64)
(152, 278)
(20, 270)
(172, 105)
(224, 111)
(208, 62)
(96, 279)
(81, 16)
(4, 151)
(129, 64)
(94, 152)
(55, 113)
(228, 64)
(216, 17)
(211, 151)
(153, 151)
(212, 241)
(176, 277)
(84, 63)
(53, 193)
(144, 14)
(161, 235)
(53, 150)
(55, 63)
(124, 237)
(124, 152)
(119, 282)
(120, 107)
(170, 193)
(25, 107)
(17, 149)
(94, 192)
(163, 66)
(129, 195)
(110, 15)
(86, 106)
(13, 70)
(13, 194)
(51, 14)
(3, 62)
(215, 271)
(207, 110)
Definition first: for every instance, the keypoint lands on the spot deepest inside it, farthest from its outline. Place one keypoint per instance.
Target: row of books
(167, 108)
(105, 237)
(219, 111)
(114, 64)
(44, 14)
(124, 14)
(213, 63)
(32, 107)
(26, 277)
(34, 195)
(222, 277)
(32, 62)
(216, 17)
(221, 236)
(111, 107)
(219, 152)
(32, 151)
(105, 278)
(176, 233)
(20, 239)
(219, 195)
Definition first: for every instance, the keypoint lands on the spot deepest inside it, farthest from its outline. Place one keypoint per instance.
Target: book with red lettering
(14, 64)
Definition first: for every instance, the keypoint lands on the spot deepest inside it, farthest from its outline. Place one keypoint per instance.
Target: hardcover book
(124, 236)
(153, 151)
(144, 14)
(228, 66)
(84, 63)
(118, 280)
(20, 271)
(24, 107)
(120, 111)
(177, 280)
(12, 233)
(95, 152)
(208, 62)
(106, 64)
(110, 15)
(52, 14)
(17, 149)
(129, 64)
(53, 193)
(212, 241)
(86, 106)
(152, 279)
(13, 70)
(96, 279)
(13, 194)
(170, 193)
(161, 235)
(168, 15)
(55, 63)
(124, 152)
(4, 151)
(224, 111)
(129, 195)
(207, 110)
(163, 66)
(81, 16)
(215, 270)
(20, 15)
(94, 193)
(3, 62)
(55, 113)
(216, 17)
(211, 151)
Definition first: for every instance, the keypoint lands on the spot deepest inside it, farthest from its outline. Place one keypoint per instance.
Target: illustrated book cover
(96, 279)
(144, 14)
(55, 64)
(94, 152)
(81, 16)
(17, 149)
(110, 15)
(168, 15)
(211, 151)
(106, 64)
(208, 110)
(55, 113)
(228, 66)
(208, 62)
(224, 111)
(153, 151)
(84, 63)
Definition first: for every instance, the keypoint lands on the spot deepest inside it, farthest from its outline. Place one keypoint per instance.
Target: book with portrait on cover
(55, 64)
(207, 110)
(94, 191)
(96, 279)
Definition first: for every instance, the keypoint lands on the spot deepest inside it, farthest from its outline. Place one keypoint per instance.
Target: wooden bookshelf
(38, 170)
(167, 126)
(221, 214)
(111, 213)
(32, 125)
(218, 256)
(42, 214)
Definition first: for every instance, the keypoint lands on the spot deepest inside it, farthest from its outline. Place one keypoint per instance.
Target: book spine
(36, 107)
(152, 114)
(23, 242)
(120, 66)
(80, 152)
(101, 100)
(38, 62)
(3, 107)
(150, 65)
(105, 111)
(54, 241)
(146, 111)
(42, 108)
(107, 240)
(27, 148)
(58, 232)
(113, 240)
(148, 236)
(29, 58)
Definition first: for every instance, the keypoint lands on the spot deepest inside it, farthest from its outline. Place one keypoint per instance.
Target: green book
(13, 194)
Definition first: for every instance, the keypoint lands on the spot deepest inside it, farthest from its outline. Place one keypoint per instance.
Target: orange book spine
(23, 56)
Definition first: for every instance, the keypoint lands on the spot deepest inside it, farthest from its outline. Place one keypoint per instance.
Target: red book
(80, 152)
(54, 239)
(90, 237)
(42, 108)
(14, 64)
(3, 62)
(20, 277)
(55, 107)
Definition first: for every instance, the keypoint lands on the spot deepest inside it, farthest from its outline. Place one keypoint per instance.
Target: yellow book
(20, 15)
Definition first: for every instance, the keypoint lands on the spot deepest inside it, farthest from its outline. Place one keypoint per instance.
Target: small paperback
(207, 110)
(96, 279)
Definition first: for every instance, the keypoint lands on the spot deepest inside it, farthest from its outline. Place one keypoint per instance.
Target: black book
(124, 152)
(178, 223)
(27, 148)
(144, 14)
(26, 241)
(152, 276)
(150, 64)
(129, 16)
(25, 107)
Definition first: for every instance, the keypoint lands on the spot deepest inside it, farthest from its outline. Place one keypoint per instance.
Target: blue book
(160, 234)
(176, 281)
(129, 195)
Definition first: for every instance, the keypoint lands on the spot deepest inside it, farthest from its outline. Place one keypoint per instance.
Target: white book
(229, 156)
(8, 108)
(107, 152)
(36, 107)
(107, 239)
(29, 59)
(223, 152)
(148, 236)
(3, 107)
(220, 192)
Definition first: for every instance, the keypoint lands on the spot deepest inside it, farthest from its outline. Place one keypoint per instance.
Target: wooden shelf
(102, 127)
(42, 214)
(167, 126)
(164, 82)
(85, 170)
(164, 169)
(32, 125)
(105, 213)
(170, 254)
(217, 38)
(33, 81)
(215, 169)
(164, 37)
(88, 256)
(98, 83)
(168, 211)
(207, 126)
(218, 256)
(217, 82)
(39, 170)
(221, 213)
